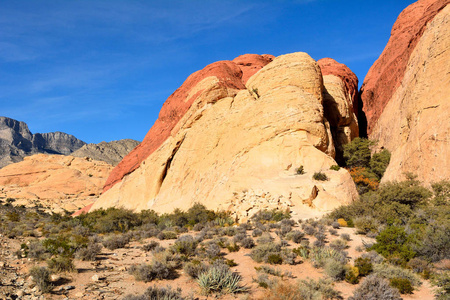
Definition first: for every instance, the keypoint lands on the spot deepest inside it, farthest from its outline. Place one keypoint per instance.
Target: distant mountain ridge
(112, 152)
(17, 141)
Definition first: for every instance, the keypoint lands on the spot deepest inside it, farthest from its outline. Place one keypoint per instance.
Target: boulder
(233, 138)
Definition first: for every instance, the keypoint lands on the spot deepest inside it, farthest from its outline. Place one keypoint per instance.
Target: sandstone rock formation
(340, 97)
(54, 181)
(16, 142)
(405, 93)
(220, 136)
(110, 152)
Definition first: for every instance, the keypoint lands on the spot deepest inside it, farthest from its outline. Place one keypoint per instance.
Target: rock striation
(405, 94)
(110, 152)
(54, 181)
(229, 141)
(16, 142)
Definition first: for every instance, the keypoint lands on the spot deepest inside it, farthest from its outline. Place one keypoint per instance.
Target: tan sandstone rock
(414, 124)
(234, 140)
(55, 181)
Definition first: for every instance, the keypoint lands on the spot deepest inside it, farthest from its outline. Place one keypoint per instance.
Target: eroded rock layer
(109, 152)
(414, 123)
(221, 136)
(54, 181)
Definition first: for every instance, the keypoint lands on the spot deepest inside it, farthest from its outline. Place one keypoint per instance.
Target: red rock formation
(252, 63)
(231, 74)
(386, 74)
(329, 66)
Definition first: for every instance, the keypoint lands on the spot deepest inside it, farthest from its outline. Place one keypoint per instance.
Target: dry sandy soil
(107, 277)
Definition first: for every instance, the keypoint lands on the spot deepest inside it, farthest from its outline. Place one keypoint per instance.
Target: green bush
(320, 289)
(219, 279)
(157, 270)
(41, 277)
(61, 264)
(379, 162)
(262, 252)
(274, 259)
(320, 176)
(167, 235)
(335, 168)
(364, 266)
(392, 242)
(402, 284)
(352, 275)
(300, 170)
(441, 280)
(357, 153)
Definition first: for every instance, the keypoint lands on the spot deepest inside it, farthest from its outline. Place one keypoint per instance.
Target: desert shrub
(158, 293)
(264, 239)
(146, 272)
(199, 214)
(150, 246)
(317, 289)
(320, 176)
(352, 275)
(296, 236)
(248, 243)
(194, 268)
(219, 279)
(239, 237)
(271, 215)
(41, 277)
(334, 269)
(392, 243)
(60, 245)
(231, 263)
(335, 168)
(357, 153)
(379, 162)
(274, 259)
(336, 225)
(185, 245)
(272, 271)
(373, 256)
(167, 235)
(257, 232)
(319, 256)
(366, 224)
(284, 229)
(300, 170)
(36, 250)
(338, 244)
(375, 287)
(263, 281)
(110, 220)
(262, 252)
(418, 265)
(61, 264)
(309, 230)
(333, 231)
(441, 280)
(389, 271)
(88, 253)
(408, 192)
(364, 266)
(212, 251)
(434, 243)
(116, 241)
(230, 231)
(403, 285)
(233, 247)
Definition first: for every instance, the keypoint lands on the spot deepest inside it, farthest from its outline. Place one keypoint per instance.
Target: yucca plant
(219, 279)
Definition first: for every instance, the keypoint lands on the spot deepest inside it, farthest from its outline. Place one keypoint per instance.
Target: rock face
(109, 152)
(386, 74)
(54, 181)
(340, 97)
(235, 144)
(405, 94)
(16, 142)
(214, 82)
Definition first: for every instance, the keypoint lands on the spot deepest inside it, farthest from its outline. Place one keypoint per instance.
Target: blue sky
(101, 70)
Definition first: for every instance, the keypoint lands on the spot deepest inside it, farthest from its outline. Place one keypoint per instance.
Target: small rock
(69, 287)
(20, 293)
(55, 277)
